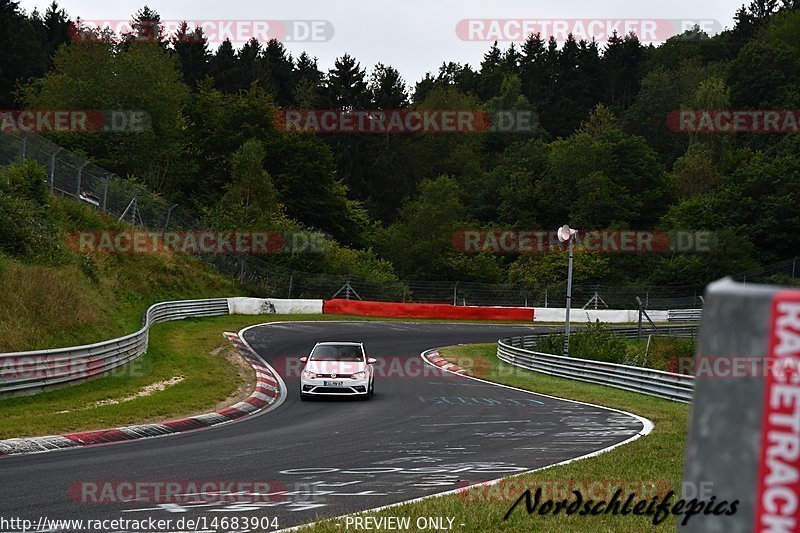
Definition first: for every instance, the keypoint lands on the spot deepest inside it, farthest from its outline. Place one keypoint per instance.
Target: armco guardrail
(31, 372)
(684, 315)
(676, 387)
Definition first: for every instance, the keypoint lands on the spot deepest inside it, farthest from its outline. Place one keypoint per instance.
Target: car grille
(337, 376)
(333, 390)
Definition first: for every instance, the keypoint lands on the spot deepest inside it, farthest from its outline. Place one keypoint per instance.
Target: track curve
(424, 432)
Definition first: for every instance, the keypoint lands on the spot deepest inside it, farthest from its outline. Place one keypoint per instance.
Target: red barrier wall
(400, 310)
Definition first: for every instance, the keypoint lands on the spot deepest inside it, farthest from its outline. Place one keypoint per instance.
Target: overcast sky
(414, 36)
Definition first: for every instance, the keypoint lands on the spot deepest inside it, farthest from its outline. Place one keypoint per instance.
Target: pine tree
(307, 93)
(278, 66)
(347, 87)
(223, 68)
(191, 47)
(387, 88)
(146, 26)
(56, 28)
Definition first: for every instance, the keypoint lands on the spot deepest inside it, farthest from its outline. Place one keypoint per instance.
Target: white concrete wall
(554, 314)
(263, 306)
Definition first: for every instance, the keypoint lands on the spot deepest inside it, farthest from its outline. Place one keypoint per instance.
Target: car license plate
(332, 383)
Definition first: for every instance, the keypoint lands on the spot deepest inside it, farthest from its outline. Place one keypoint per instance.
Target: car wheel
(304, 397)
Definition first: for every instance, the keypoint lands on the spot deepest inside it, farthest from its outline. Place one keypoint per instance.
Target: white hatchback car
(337, 369)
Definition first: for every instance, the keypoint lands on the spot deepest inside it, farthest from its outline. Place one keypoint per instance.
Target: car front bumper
(340, 387)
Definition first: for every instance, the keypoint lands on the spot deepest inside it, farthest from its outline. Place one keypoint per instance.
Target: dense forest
(601, 157)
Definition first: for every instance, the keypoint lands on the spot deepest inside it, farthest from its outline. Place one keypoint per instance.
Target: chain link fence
(781, 273)
(72, 176)
(281, 282)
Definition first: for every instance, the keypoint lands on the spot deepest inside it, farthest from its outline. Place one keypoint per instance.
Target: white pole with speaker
(567, 234)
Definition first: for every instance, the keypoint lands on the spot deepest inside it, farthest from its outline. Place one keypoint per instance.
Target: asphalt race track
(425, 431)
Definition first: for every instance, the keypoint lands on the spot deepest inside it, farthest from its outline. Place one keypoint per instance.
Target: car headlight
(309, 375)
(359, 375)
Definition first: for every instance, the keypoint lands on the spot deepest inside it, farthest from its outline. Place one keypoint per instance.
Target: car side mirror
(304, 359)
(371, 360)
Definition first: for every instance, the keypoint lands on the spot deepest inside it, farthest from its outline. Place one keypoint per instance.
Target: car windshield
(328, 352)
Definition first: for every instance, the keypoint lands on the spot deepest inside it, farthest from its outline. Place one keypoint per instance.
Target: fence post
(639, 329)
(545, 298)
(291, 279)
(24, 147)
(455, 294)
(794, 266)
(169, 214)
(80, 178)
(132, 208)
(105, 191)
(53, 169)
(642, 311)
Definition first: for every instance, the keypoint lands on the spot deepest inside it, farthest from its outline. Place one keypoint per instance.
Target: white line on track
(476, 423)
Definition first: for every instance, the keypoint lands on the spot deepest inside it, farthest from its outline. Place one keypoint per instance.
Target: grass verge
(656, 458)
(53, 296)
(187, 348)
